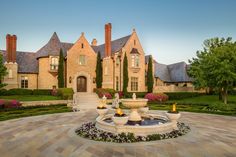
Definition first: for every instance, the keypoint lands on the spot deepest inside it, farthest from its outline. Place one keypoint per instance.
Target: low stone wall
(42, 103)
(173, 88)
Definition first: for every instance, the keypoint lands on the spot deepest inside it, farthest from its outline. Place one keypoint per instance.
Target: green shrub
(19, 91)
(65, 93)
(3, 92)
(42, 92)
(183, 95)
(105, 91)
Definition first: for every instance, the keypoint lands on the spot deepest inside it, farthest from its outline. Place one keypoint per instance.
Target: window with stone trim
(135, 61)
(82, 60)
(134, 83)
(24, 82)
(54, 63)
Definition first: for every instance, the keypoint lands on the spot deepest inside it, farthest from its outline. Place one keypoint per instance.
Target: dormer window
(135, 60)
(54, 63)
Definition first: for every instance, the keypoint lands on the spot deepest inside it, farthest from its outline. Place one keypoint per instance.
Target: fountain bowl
(134, 103)
(120, 120)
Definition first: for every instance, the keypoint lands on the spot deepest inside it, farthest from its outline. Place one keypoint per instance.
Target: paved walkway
(53, 135)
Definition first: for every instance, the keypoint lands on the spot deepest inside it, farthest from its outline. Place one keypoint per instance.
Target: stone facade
(40, 69)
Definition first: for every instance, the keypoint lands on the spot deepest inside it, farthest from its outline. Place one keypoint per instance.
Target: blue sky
(170, 30)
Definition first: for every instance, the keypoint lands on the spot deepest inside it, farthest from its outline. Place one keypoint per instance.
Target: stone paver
(53, 135)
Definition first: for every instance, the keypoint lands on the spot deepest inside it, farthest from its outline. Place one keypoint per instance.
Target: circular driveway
(53, 135)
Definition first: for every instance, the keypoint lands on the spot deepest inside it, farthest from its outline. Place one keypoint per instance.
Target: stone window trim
(54, 62)
(24, 82)
(135, 61)
(82, 60)
(134, 84)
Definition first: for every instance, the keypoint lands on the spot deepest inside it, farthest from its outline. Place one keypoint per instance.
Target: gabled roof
(52, 48)
(27, 62)
(116, 45)
(176, 72)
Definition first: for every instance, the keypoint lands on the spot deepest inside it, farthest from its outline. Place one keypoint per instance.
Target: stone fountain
(134, 104)
(145, 124)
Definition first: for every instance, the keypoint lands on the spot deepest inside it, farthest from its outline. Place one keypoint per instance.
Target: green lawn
(32, 111)
(205, 104)
(30, 97)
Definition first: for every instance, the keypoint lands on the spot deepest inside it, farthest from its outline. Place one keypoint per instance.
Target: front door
(81, 84)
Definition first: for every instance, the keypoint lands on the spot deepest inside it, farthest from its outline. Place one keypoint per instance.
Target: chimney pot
(94, 42)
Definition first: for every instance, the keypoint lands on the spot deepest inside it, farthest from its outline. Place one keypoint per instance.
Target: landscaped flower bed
(88, 130)
(6, 104)
(156, 97)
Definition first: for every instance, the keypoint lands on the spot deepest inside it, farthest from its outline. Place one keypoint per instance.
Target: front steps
(87, 100)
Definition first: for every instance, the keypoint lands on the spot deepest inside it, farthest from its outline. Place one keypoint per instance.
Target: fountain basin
(106, 124)
(120, 120)
(134, 103)
(102, 112)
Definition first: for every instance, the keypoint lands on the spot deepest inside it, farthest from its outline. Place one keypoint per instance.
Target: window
(134, 42)
(134, 84)
(135, 61)
(82, 60)
(82, 45)
(54, 63)
(24, 82)
(117, 83)
(117, 61)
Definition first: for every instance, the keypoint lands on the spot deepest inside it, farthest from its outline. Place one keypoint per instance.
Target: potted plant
(173, 114)
(120, 118)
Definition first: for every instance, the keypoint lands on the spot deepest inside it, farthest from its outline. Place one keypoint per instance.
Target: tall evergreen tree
(99, 71)
(61, 82)
(125, 75)
(150, 76)
(3, 71)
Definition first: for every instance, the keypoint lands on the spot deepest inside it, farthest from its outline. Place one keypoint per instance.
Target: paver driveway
(53, 135)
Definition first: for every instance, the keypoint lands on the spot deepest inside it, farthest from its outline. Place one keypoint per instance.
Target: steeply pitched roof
(27, 62)
(176, 72)
(52, 48)
(116, 45)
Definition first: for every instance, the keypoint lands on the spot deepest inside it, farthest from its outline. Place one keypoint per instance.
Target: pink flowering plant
(156, 97)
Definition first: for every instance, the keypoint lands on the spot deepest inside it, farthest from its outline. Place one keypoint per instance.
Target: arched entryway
(81, 84)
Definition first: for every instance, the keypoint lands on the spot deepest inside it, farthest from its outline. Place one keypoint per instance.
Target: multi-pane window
(135, 61)
(82, 60)
(54, 63)
(134, 83)
(24, 82)
(117, 83)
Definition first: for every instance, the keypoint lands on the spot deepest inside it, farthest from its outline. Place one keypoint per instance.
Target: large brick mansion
(38, 70)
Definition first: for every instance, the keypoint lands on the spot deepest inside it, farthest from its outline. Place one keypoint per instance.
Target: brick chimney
(108, 40)
(11, 47)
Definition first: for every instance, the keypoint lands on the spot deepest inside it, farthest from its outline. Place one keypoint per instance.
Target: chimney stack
(11, 48)
(108, 40)
(94, 42)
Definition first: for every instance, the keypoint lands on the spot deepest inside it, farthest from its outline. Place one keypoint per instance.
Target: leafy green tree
(125, 75)
(3, 71)
(214, 67)
(99, 71)
(150, 76)
(61, 81)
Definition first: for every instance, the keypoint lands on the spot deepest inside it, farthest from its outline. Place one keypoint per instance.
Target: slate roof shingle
(176, 72)
(27, 62)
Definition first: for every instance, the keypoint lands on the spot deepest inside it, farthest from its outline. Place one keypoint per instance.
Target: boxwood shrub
(42, 92)
(65, 93)
(182, 95)
(19, 91)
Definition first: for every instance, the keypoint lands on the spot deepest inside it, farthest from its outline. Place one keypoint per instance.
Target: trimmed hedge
(20, 91)
(65, 93)
(42, 92)
(183, 95)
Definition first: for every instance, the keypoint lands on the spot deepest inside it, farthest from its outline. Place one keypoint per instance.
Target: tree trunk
(225, 95)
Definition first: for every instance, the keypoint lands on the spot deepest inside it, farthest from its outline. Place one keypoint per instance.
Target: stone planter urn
(119, 121)
(143, 109)
(173, 116)
(102, 111)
